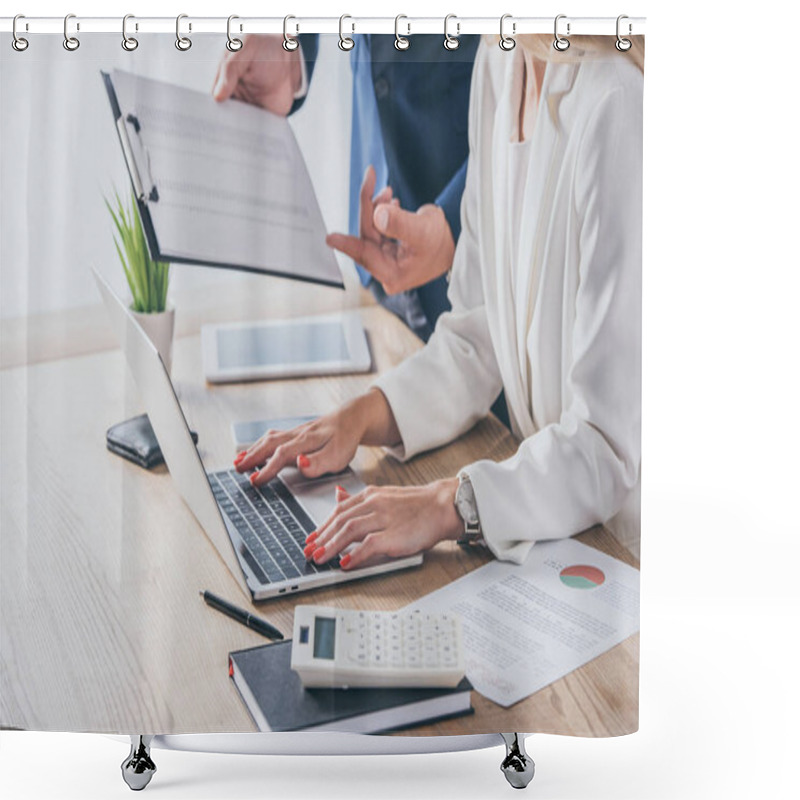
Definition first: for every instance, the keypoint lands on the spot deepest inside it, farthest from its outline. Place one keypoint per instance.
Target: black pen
(241, 615)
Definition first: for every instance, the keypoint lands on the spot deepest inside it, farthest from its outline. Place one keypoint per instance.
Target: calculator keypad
(401, 640)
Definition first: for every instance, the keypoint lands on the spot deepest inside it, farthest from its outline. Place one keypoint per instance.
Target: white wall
(60, 155)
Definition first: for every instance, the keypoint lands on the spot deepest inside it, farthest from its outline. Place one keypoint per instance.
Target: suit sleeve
(449, 200)
(577, 472)
(309, 47)
(445, 388)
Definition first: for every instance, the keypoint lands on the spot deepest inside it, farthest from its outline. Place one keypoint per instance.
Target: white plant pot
(160, 328)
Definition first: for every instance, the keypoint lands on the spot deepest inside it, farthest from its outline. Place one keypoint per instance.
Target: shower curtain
(454, 234)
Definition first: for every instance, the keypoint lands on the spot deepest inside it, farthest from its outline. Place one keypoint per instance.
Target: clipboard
(219, 184)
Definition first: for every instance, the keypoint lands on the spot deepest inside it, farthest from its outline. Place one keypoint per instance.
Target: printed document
(224, 183)
(528, 625)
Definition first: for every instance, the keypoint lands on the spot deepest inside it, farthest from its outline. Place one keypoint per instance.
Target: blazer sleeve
(573, 474)
(444, 389)
(449, 200)
(309, 47)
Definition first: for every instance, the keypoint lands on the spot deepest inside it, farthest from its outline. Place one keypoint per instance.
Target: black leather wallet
(136, 440)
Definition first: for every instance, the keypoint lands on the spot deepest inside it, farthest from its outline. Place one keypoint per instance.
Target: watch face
(465, 503)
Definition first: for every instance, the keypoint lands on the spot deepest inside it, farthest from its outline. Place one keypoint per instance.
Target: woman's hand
(324, 445)
(391, 521)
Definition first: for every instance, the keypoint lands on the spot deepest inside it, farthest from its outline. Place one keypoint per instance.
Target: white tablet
(291, 348)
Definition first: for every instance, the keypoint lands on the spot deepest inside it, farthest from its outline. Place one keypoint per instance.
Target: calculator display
(324, 637)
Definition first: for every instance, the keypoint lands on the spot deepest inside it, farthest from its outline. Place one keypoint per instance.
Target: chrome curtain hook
(71, 43)
(401, 42)
(623, 45)
(183, 43)
(129, 43)
(560, 43)
(233, 44)
(345, 42)
(507, 42)
(19, 43)
(451, 42)
(290, 44)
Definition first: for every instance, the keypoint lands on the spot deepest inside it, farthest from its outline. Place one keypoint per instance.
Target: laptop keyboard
(272, 524)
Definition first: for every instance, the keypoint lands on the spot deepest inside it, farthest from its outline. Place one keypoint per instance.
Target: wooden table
(101, 625)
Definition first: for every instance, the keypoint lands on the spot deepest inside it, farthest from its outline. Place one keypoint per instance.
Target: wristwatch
(467, 509)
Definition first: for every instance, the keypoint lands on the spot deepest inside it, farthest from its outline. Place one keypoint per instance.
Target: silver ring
(507, 42)
(183, 43)
(623, 45)
(451, 42)
(71, 43)
(129, 43)
(560, 43)
(234, 44)
(401, 42)
(19, 43)
(345, 42)
(290, 44)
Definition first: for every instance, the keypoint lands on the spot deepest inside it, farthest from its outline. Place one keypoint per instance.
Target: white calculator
(338, 648)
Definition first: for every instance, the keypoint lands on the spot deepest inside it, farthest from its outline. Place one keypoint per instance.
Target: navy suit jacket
(422, 96)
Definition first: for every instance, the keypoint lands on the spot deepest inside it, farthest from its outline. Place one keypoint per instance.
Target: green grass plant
(148, 279)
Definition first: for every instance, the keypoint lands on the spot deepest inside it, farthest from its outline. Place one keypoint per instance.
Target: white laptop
(259, 532)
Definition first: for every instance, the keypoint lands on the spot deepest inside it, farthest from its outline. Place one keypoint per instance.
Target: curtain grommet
(234, 43)
(290, 43)
(183, 43)
(560, 43)
(451, 42)
(623, 45)
(346, 43)
(129, 43)
(19, 43)
(71, 43)
(507, 43)
(401, 42)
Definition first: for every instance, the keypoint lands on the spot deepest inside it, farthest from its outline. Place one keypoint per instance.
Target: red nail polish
(342, 490)
(309, 550)
(318, 553)
(344, 561)
(312, 537)
(253, 478)
(239, 456)
(303, 462)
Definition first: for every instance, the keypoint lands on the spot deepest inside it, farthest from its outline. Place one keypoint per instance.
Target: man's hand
(401, 249)
(261, 72)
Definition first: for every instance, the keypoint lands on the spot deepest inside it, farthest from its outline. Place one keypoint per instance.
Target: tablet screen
(276, 345)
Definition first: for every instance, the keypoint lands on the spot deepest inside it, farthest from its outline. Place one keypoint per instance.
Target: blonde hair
(581, 48)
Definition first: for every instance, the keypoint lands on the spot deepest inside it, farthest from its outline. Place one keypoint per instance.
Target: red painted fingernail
(239, 457)
(318, 553)
(303, 462)
(311, 537)
(309, 550)
(342, 490)
(253, 477)
(344, 561)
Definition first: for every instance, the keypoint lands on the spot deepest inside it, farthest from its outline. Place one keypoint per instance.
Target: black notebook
(277, 700)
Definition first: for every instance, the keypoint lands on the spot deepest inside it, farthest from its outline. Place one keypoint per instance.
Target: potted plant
(147, 279)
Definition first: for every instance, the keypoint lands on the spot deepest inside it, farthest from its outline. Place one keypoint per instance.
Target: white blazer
(559, 328)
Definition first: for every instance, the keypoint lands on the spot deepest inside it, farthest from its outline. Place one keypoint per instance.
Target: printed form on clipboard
(219, 184)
